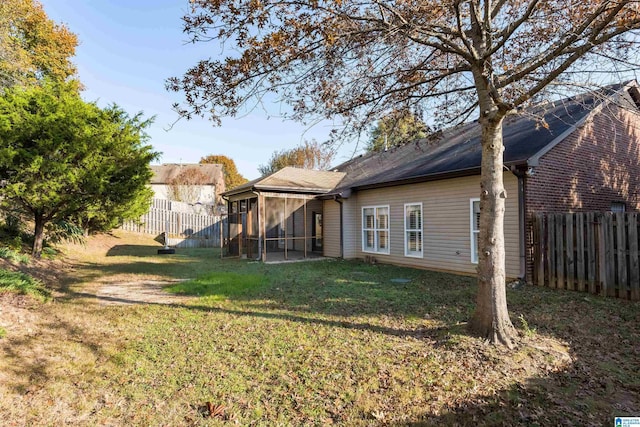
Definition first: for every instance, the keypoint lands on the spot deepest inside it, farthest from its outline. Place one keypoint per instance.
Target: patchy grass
(21, 283)
(12, 255)
(219, 286)
(320, 343)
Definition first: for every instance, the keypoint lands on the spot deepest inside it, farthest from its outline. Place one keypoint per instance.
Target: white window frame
(474, 234)
(376, 229)
(407, 230)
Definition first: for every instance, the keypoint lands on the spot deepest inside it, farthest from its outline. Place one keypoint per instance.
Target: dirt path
(119, 286)
(138, 292)
(71, 275)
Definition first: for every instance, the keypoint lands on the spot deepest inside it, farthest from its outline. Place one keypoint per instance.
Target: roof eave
(267, 188)
(417, 179)
(535, 159)
(276, 189)
(422, 178)
(237, 190)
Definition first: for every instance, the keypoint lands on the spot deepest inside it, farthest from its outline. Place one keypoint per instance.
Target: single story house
(417, 204)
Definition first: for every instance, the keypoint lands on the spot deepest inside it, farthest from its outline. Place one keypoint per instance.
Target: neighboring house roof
(166, 173)
(290, 179)
(457, 151)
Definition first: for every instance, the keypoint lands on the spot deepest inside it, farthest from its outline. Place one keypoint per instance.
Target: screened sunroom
(278, 217)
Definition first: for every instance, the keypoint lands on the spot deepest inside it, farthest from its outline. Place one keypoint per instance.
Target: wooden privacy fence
(589, 252)
(184, 229)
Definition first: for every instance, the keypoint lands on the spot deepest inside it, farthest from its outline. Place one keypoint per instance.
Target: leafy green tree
(397, 128)
(308, 155)
(354, 62)
(232, 178)
(32, 46)
(63, 159)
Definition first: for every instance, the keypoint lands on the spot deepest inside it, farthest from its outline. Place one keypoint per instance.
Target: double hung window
(413, 230)
(375, 229)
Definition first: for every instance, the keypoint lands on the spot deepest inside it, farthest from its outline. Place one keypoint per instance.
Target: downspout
(226, 199)
(522, 223)
(337, 199)
(259, 228)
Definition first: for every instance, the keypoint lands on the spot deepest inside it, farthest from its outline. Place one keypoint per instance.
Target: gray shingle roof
(293, 179)
(457, 151)
(452, 152)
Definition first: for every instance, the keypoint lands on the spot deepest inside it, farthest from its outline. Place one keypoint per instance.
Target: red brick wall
(596, 165)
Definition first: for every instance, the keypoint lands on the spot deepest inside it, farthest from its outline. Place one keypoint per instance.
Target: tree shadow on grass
(598, 383)
(349, 289)
(602, 334)
(327, 288)
(601, 382)
(169, 267)
(134, 250)
(561, 398)
(39, 356)
(145, 251)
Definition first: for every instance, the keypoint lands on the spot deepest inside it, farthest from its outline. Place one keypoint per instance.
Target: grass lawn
(317, 343)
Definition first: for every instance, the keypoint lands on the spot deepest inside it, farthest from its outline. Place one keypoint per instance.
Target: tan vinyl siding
(446, 223)
(351, 228)
(331, 225)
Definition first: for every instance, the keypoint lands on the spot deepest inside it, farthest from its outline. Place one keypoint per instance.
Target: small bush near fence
(589, 252)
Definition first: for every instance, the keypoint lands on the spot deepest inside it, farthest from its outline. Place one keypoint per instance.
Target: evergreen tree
(67, 160)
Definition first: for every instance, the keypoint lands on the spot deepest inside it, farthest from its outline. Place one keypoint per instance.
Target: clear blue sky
(127, 50)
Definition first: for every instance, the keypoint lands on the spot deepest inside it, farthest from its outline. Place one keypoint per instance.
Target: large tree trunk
(491, 318)
(38, 235)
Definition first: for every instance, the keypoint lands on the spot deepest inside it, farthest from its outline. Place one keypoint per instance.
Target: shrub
(21, 283)
(64, 231)
(12, 255)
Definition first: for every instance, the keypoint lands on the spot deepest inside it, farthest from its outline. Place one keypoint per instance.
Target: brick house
(594, 167)
(417, 204)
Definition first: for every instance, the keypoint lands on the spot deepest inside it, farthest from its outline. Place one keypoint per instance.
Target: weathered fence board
(539, 253)
(183, 229)
(560, 255)
(551, 248)
(593, 252)
(634, 257)
(570, 253)
(580, 246)
(609, 289)
(621, 243)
